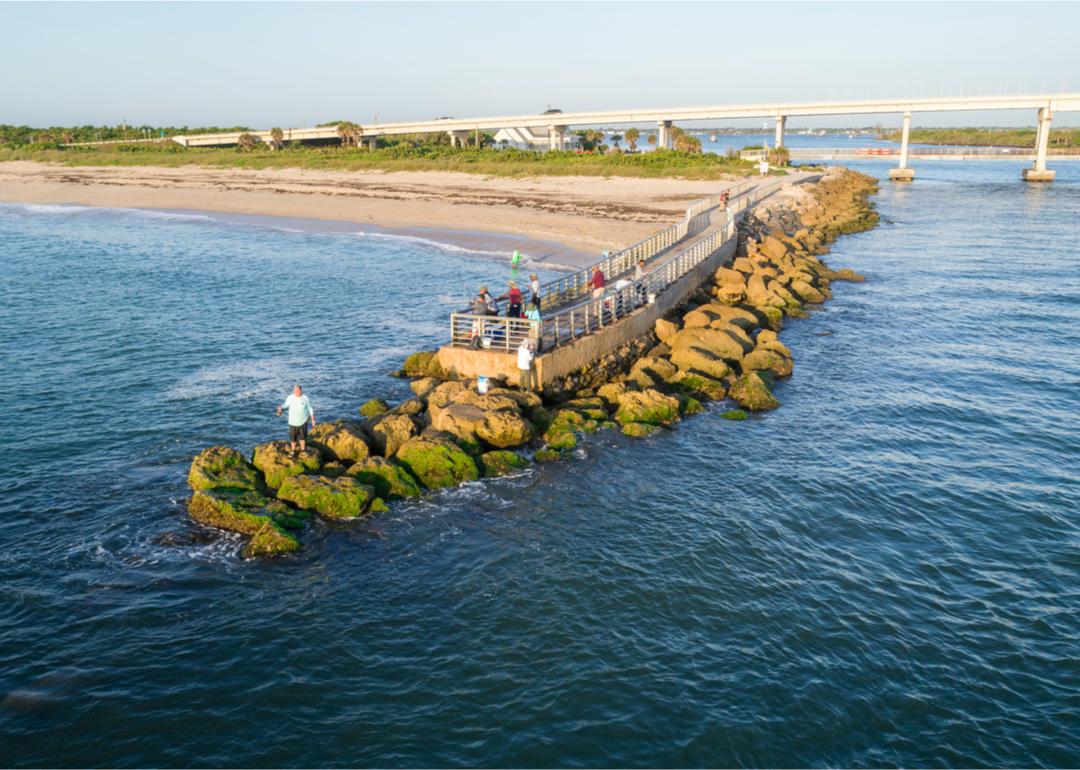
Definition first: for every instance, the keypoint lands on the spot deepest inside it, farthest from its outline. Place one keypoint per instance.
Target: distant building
(533, 139)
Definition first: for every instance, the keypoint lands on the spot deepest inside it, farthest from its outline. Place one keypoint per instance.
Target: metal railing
(621, 299)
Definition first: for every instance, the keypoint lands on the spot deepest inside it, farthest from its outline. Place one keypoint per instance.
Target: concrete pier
(781, 122)
(1039, 172)
(663, 134)
(903, 173)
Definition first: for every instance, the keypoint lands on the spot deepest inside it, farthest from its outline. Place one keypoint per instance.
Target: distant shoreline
(563, 221)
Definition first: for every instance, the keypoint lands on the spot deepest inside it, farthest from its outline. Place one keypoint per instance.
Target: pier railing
(588, 315)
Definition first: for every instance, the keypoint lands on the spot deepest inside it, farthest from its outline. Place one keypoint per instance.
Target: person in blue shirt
(300, 412)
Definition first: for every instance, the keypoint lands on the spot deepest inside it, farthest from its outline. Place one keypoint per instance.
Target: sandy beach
(585, 214)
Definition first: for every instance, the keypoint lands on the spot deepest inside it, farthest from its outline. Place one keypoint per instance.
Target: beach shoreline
(557, 221)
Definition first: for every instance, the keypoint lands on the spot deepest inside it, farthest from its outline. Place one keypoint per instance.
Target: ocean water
(882, 572)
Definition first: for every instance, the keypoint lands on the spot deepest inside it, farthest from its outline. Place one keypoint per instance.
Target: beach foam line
(70, 209)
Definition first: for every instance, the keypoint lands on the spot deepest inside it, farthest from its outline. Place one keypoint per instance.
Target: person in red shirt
(597, 283)
(514, 301)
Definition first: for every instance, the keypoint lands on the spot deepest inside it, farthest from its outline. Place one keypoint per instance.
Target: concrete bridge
(557, 124)
(920, 153)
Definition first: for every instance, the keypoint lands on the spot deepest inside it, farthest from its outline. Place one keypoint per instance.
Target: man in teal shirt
(300, 412)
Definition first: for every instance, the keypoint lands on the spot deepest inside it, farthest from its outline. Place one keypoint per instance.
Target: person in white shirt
(525, 356)
(300, 412)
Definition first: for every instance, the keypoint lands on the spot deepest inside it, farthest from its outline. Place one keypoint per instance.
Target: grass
(988, 137)
(490, 162)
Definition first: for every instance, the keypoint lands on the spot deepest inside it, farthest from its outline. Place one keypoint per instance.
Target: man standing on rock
(525, 356)
(300, 412)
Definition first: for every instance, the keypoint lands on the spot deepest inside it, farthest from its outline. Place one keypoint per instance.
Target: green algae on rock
(500, 462)
(734, 414)
(752, 391)
(374, 408)
(437, 463)
(219, 467)
(246, 512)
(276, 461)
(648, 406)
(341, 440)
(639, 429)
(340, 498)
(389, 479)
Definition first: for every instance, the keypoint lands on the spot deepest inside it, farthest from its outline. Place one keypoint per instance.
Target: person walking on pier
(300, 412)
(525, 356)
(639, 279)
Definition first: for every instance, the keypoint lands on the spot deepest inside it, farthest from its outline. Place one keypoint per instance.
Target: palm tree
(247, 141)
(349, 133)
(277, 138)
(632, 135)
(615, 139)
(651, 140)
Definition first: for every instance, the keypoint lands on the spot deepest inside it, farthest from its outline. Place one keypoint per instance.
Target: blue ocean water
(882, 572)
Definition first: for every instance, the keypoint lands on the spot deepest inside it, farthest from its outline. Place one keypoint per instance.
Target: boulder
(697, 360)
(342, 440)
(500, 428)
(767, 340)
(277, 462)
(389, 433)
(340, 498)
(611, 392)
(715, 341)
(846, 274)
(270, 540)
(698, 386)
(500, 462)
(222, 467)
(249, 513)
(526, 400)
(639, 429)
(424, 364)
(763, 359)
(751, 391)
(774, 248)
(374, 408)
(665, 329)
(658, 369)
(727, 276)
(423, 386)
(389, 479)
(649, 406)
(437, 463)
(734, 414)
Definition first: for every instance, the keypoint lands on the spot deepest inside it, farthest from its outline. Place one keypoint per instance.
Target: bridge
(558, 123)
(944, 152)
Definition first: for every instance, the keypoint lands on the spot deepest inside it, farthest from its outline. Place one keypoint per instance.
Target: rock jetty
(722, 345)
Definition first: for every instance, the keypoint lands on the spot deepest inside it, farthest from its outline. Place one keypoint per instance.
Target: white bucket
(481, 385)
(651, 297)
(485, 342)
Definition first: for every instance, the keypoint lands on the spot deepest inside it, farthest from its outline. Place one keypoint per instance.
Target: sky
(294, 64)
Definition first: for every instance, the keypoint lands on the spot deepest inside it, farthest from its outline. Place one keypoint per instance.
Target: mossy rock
(734, 414)
(591, 426)
(608, 425)
(333, 470)
(547, 455)
(249, 513)
(763, 359)
(649, 406)
(500, 462)
(378, 505)
(437, 463)
(374, 408)
(689, 405)
(220, 467)
(270, 540)
(752, 391)
(341, 498)
(342, 440)
(541, 418)
(388, 479)
(276, 462)
(563, 441)
(639, 429)
(699, 386)
(416, 365)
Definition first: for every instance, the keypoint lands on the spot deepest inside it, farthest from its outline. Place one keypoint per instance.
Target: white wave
(442, 245)
(70, 209)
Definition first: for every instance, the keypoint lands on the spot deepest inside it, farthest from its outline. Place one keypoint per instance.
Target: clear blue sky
(296, 64)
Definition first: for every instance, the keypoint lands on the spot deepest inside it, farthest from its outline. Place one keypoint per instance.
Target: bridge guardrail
(589, 315)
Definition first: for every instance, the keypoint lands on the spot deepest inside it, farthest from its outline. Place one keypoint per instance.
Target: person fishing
(535, 322)
(514, 301)
(534, 289)
(300, 412)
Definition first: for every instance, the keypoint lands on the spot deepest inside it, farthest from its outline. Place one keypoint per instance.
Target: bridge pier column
(372, 142)
(556, 135)
(663, 134)
(1039, 172)
(781, 121)
(903, 174)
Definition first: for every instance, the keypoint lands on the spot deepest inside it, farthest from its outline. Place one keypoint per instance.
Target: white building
(533, 139)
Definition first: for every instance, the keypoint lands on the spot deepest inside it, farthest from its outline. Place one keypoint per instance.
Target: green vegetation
(402, 156)
(17, 136)
(987, 137)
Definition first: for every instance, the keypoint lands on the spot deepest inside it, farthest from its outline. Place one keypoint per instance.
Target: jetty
(578, 329)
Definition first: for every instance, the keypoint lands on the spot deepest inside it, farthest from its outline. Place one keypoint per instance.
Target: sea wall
(717, 342)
